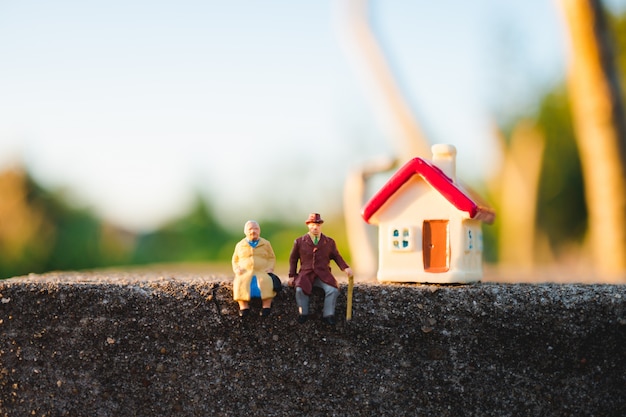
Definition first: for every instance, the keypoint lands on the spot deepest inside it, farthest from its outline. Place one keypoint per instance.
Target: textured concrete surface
(132, 344)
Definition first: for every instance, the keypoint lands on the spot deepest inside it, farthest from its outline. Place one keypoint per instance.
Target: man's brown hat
(314, 218)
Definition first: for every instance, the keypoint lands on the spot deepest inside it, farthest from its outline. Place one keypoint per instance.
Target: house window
(401, 239)
(470, 240)
(436, 246)
(473, 240)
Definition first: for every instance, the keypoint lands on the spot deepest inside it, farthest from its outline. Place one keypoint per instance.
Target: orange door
(436, 246)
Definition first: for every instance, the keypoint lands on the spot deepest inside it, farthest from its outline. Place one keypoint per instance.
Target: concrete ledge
(99, 344)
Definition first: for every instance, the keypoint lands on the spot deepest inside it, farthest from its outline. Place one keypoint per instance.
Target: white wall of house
(401, 254)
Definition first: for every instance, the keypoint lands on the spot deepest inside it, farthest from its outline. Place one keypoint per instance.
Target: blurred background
(146, 132)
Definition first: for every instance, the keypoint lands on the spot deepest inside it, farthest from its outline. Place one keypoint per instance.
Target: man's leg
(302, 300)
(330, 298)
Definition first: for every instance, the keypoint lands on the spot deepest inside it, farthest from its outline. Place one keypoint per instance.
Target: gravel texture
(133, 344)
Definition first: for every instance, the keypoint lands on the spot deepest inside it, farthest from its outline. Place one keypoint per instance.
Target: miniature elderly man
(314, 251)
(252, 260)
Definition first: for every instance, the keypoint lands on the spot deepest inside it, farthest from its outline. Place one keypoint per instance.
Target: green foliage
(490, 232)
(68, 238)
(59, 237)
(562, 211)
(561, 206)
(41, 232)
(282, 235)
(24, 233)
(196, 237)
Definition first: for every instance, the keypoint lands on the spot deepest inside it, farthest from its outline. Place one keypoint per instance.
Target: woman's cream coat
(253, 261)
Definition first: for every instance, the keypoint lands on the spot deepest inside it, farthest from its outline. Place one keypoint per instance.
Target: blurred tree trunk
(405, 135)
(600, 125)
(517, 191)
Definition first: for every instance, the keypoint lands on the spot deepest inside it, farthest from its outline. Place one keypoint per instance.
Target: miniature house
(429, 227)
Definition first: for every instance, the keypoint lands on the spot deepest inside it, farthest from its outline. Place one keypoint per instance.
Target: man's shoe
(302, 318)
(330, 320)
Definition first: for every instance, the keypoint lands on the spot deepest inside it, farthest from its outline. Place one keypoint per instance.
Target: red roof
(458, 197)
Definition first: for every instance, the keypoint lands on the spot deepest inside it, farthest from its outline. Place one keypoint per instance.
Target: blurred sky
(135, 106)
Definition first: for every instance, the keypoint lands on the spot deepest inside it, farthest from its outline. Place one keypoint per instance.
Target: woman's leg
(267, 307)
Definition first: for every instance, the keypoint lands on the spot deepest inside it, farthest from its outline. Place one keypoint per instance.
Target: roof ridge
(457, 195)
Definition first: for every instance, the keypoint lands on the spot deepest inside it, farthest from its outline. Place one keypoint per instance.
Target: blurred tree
(25, 232)
(600, 126)
(561, 203)
(515, 191)
(406, 135)
(82, 241)
(617, 25)
(196, 237)
(282, 235)
(40, 231)
(562, 211)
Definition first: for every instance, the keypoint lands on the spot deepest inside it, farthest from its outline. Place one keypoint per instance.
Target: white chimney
(444, 158)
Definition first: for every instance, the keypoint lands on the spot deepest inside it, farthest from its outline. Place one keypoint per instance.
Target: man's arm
(336, 256)
(294, 256)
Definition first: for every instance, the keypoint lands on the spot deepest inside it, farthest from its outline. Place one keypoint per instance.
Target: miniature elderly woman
(252, 260)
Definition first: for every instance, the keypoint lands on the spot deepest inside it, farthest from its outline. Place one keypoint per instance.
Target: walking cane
(349, 303)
